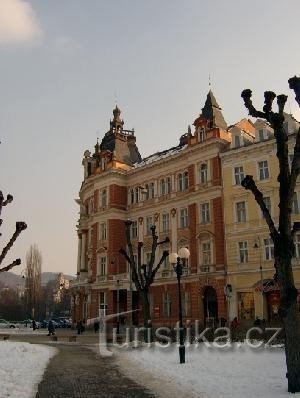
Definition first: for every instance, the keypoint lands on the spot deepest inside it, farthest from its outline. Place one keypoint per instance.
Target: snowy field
(21, 368)
(236, 372)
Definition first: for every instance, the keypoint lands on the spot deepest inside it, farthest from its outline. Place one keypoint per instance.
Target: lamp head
(184, 252)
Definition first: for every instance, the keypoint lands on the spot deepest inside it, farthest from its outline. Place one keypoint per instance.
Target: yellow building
(249, 249)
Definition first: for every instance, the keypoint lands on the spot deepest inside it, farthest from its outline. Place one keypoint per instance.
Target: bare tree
(143, 274)
(20, 226)
(283, 234)
(33, 280)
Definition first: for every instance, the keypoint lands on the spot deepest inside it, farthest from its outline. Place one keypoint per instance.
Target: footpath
(78, 372)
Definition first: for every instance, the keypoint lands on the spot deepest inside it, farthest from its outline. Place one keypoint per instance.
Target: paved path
(78, 372)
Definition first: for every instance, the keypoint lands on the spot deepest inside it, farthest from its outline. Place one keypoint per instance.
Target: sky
(66, 63)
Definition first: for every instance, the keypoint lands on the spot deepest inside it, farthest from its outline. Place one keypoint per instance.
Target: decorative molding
(140, 220)
(173, 212)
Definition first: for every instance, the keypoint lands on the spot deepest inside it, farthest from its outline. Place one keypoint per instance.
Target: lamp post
(176, 261)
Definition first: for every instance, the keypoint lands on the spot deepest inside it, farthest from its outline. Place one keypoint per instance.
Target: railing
(204, 269)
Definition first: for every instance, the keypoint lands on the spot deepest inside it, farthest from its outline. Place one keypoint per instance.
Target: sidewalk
(77, 372)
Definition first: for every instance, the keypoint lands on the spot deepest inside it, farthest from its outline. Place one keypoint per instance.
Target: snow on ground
(22, 367)
(236, 372)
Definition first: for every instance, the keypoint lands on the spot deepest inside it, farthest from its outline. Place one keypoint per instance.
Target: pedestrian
(34, 325)
(51, 328)
(96, 326)
(79, 327)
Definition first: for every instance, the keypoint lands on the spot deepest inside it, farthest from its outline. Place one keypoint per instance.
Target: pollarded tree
(20, 226)
(143, 274)
(283, 234)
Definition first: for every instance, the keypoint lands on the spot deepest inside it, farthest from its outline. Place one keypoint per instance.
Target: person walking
(51, 328)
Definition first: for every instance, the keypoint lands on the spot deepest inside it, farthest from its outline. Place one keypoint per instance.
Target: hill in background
(11, 280)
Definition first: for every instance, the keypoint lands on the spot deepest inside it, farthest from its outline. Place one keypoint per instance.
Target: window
(205, 216)
(263, 170)
(149, 223)
(133, 230)
(131, 196)
(103, 303)
(297, 245)
(147, 257)
(239, 175)
(206, 253)
(240, 211)
(183, 181)
(103, 231)
(151, 190)
(167, 305)
(168, 185)
(162, 187)
(269, 249)
(261, 135)
(246, 309)
(203, 173)
(243, 252)
(136, 195)
(183, 218)
(267, 201)
(185, 303)
(237, 142)
(146, 192)
(166, 263)
(165, 222)
(103, 198)
(202, 134)
(102, 266)
(295, 207)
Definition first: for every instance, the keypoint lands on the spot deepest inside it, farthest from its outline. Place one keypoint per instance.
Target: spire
(117, 123)
(212, 111)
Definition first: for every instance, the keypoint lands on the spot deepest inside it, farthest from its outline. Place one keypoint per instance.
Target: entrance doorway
(210, 306)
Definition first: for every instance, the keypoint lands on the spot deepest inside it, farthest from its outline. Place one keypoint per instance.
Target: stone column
(79, 253)
(83, 247)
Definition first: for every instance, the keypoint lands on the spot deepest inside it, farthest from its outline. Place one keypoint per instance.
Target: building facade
(249, 248)
(180, 191)
(192, 193)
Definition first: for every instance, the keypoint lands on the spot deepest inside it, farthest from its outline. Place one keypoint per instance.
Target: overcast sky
(65, 63)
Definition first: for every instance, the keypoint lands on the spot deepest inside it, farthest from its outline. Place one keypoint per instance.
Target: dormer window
(202, 135)
(237, 141)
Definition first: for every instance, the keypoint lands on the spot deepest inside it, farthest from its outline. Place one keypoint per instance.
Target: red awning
(267, 285)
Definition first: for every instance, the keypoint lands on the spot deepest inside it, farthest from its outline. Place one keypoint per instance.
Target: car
(5, 324)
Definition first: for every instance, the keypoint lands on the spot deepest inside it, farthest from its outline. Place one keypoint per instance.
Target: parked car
(6, 324)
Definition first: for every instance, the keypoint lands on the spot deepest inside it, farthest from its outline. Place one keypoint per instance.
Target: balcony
(207, 268)
(101, 278)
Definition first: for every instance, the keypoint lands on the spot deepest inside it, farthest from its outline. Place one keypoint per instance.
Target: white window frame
(165, 224)
(149, 223)
(183, 218)
(203, 173)
(263, 170)
(268, 249)
(240, 214)
(239, 174)
(103, 231)
(243, 254)
(205, 213)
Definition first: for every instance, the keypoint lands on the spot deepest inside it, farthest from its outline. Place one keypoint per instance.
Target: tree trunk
(290, 318)
(147, 316)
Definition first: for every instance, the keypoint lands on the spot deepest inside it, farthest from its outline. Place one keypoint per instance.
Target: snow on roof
(155, 157)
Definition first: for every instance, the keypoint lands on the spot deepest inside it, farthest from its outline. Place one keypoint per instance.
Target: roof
(212, 111)
(155, 157)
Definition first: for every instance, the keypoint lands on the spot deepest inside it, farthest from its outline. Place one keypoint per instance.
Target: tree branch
(10, 266)
(246, 95)
(294, 83)
(154, 271)
(20, 226)
(295, 168)
(249, 184)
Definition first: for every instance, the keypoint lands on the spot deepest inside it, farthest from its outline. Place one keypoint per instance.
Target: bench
(4, 336)
(70, 338)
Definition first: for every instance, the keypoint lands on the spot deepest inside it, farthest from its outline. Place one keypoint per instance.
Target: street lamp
(175, 260)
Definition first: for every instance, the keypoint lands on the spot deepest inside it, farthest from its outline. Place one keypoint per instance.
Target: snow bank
(239, 371)
(22, 367)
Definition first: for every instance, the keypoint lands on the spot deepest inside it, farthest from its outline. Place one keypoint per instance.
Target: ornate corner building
(192, 193)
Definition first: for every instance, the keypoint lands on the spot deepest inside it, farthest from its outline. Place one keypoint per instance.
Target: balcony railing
(205, 269)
